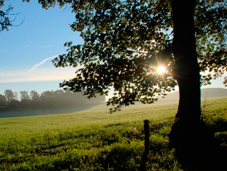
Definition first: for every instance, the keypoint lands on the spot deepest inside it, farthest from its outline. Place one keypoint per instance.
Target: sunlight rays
(161, 69)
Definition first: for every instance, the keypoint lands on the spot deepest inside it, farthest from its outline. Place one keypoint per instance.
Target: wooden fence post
(146, 144)
(146, 131)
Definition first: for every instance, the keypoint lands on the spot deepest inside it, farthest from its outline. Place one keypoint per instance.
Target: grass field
(96, 140)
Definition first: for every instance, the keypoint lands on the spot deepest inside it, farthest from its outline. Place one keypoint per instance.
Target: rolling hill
(205, 93)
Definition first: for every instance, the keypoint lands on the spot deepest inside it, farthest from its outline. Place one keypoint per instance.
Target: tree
(58, 93)
(9, 95)
(35, 99)
(47, 95)
(24, 95)
(126, 41)
(47, 99)
(14, 104)
(4, 19)
(15, 95)
(3, 102)
(25, 99)
(34, 95)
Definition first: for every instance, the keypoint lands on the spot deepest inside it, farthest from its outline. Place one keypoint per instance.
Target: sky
(26, 50)
(38, 36)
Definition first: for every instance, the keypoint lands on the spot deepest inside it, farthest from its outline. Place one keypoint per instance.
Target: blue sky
(26, 50)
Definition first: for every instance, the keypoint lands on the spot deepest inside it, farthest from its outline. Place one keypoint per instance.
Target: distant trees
(24, 95)
(47, 100)
(14, 104)
(9, 95)
(25, 99)
(34, 95)
(16, 97)
(3, 102)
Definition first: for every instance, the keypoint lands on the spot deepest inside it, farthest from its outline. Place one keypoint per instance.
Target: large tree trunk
(188, 134)
(186, 69)
(186, 72)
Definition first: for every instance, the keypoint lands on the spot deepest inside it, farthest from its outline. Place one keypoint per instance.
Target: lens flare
(161, 70)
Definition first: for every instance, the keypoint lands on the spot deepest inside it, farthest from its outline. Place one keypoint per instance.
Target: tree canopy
(126, 41)
(6, 17)
(9, 95)
(5, 22)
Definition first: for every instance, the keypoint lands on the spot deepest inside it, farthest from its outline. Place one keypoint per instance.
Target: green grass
(97, 140)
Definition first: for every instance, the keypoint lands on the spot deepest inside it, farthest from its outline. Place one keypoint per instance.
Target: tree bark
(187, 135)
(186, 70)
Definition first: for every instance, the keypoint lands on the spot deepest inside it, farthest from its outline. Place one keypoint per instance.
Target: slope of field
(171, 98)
(96, 140)
(36, 112)
(206, 93)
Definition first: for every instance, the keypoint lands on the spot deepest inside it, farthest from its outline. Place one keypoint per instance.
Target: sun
(161, 69)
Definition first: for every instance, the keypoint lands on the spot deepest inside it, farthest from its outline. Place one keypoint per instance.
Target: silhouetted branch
(5, 21)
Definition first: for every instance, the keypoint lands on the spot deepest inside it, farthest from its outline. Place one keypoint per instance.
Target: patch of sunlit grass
(96, 140)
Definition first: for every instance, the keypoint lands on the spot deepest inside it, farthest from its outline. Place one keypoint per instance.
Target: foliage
(34, 95)
(9, 95)
(5, 22)
(3, 101)
(24, 95)
(47, 100)
(125, 42)
(96, 140)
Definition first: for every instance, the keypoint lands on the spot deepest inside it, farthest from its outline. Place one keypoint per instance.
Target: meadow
(94, 140)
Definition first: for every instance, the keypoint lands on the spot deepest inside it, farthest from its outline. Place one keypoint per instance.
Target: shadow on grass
(203, 147)
(35, 112)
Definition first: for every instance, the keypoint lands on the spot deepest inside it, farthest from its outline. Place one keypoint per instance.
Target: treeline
(46, 100)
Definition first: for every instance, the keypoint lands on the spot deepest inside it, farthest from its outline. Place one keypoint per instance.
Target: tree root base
(195, 147)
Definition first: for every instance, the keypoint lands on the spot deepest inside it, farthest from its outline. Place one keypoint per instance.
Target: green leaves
(125, 41)
(210, 26)
(5, 22)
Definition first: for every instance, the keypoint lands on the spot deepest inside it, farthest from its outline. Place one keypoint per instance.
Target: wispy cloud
(48, 74)
(42, 62)
(37, 73)
(55, 74)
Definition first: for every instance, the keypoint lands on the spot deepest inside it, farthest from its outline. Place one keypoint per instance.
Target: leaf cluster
(125, 41)
(211, 34)
(4, 17)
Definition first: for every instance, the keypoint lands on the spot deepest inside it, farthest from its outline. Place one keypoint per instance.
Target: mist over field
(169, 99)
